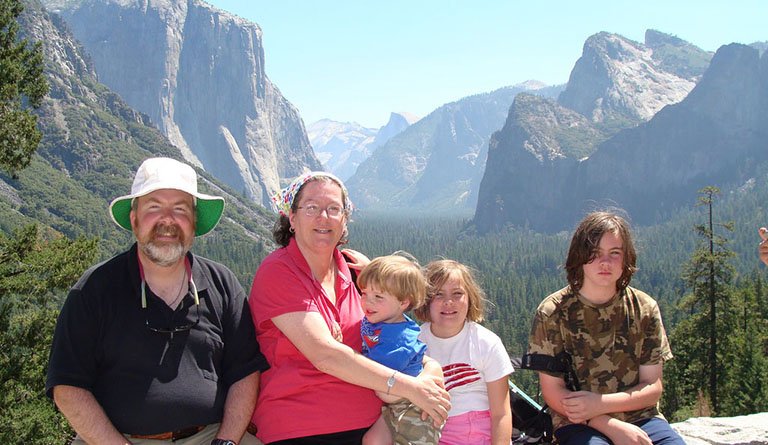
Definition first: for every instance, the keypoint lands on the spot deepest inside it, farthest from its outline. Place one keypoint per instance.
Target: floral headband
(283, 200)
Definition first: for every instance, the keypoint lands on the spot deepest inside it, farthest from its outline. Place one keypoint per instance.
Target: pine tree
(747, 376)
(22, 87)
(702, 342)
(34, 268)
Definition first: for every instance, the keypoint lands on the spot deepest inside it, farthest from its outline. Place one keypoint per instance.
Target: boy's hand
(620, 432)
(579, 406)
(627, 433)
(763, 247)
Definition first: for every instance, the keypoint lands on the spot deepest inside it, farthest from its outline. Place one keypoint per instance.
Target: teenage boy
(615, 337)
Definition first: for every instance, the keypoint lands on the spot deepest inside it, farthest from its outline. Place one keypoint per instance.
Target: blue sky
(360, 60)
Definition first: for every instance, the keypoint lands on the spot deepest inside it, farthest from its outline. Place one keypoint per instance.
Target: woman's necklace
(330, 285)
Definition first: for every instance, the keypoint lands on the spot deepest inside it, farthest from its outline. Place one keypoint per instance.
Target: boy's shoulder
(639, 295)
(642, 300)
(556, 301)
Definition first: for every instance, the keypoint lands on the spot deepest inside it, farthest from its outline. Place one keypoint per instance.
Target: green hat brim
(207, 213)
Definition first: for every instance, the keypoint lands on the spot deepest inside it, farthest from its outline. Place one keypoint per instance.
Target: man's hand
(763, 247)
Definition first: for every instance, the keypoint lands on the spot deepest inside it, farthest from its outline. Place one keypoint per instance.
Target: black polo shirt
(150, 382)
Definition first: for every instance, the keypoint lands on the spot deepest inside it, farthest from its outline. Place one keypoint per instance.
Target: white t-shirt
(469, 359)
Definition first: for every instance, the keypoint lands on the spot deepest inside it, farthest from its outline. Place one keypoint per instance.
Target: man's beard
(165, 254)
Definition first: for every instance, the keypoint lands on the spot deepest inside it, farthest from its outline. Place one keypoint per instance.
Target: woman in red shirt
(307, 313)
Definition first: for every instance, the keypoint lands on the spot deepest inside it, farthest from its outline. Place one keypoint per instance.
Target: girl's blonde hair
(397, 275)
(440, 271)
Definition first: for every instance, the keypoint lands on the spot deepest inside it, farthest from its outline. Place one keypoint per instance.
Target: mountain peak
(530, 85)
(655, 39)
(409, 118)
(677, 56)
(619, 83)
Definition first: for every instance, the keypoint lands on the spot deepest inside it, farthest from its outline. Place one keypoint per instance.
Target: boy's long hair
(396, 275)
(586, 240)
(440, 271)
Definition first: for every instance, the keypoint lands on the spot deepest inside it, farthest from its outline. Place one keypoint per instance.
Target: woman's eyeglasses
(312, 210)
(175, 329)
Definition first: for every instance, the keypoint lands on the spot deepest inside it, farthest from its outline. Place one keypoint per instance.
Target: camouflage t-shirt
(608, 342)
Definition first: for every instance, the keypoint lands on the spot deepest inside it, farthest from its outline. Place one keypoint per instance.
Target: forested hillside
(518, 268)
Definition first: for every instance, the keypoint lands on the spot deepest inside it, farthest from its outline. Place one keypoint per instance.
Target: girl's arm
(433, 369)
(501, 412)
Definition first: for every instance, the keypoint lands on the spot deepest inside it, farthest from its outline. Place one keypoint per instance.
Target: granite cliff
(92, 144)
(615, 137)
(618, 82)
(716, 136)
(199, 74)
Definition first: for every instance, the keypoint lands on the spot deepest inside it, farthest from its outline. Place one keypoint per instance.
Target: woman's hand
(311, 336)
(429, 394)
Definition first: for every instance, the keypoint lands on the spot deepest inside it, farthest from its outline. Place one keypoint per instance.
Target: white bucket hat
(166, 173)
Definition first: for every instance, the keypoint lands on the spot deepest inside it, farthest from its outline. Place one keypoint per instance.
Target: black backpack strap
(561, 363)
(542, 362)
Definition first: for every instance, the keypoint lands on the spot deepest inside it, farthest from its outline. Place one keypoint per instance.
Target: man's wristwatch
(222, 442)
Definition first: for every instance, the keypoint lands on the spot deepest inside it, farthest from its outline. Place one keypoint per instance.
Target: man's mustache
(166, 230)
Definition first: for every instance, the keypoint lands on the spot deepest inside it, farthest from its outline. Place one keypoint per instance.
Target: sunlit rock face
(551, 163)
(199, 74)
(617, 79)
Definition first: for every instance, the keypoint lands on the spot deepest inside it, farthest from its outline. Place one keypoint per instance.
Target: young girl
(475, 363)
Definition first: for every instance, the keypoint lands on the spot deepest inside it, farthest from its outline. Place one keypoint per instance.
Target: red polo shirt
(295, 399)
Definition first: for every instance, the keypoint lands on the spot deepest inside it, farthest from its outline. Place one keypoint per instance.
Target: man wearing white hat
(157, 345)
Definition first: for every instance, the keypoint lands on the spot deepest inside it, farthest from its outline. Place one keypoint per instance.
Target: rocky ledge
(741, 430)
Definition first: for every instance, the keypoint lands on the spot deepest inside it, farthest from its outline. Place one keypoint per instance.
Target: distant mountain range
(438, 162)
(342, 146)
(550, 163)
(638, 125)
